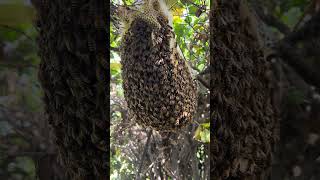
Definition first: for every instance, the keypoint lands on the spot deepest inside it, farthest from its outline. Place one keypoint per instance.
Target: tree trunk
(74, 75)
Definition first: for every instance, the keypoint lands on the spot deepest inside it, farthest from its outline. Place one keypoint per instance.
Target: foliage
(20, 94)
(203, 133)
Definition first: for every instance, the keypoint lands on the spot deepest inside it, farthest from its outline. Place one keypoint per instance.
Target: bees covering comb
(157, 83)
(244, 119)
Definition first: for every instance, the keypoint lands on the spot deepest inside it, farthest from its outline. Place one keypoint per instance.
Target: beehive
(157, 83)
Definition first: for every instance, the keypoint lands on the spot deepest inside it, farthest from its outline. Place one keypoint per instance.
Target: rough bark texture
(244, 123)
(74, 74)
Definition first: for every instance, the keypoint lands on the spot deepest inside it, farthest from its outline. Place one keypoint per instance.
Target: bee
(91, 44)
(74, 4)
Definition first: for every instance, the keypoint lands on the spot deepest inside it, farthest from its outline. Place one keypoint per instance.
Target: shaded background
(25, 139)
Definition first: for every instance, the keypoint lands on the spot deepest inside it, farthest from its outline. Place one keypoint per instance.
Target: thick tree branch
(273, 21)
(295, 57)
(270, 19)
(203, 82)
(310, 30)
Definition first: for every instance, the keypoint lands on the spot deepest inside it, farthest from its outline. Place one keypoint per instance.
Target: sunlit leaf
(205, 136)
(197, 133)
(206, 125)
(178, 11)
(115, 68)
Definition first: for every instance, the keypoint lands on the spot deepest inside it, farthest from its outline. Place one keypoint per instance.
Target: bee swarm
(158, 86)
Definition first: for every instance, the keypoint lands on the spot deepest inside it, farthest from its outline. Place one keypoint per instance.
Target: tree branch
(310, 30)
(18, 31)
(143, 154)
(203, 82)
(273, 21)
(270, 19)
(116, 49)
(295, 57)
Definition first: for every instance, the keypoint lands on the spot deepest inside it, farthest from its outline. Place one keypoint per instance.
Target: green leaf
(201, 66)
(291, 17)
(205, 136)
(188, 19)
(206, 125)
(202, 133)
(115, 68)
(193, 10)
(197, 133)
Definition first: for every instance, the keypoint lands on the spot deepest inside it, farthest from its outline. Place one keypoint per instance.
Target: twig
(169, 173)
(206, 71)
(143, 154)
(310, 30)
(114, 49)
(17, 30)
(197, 5)
(273, 21)
(16, 65)
(203, 82)
(309, 9)
(28, 153)
(269, 19)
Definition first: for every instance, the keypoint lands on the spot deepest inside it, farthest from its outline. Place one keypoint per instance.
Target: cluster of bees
(157, 83)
